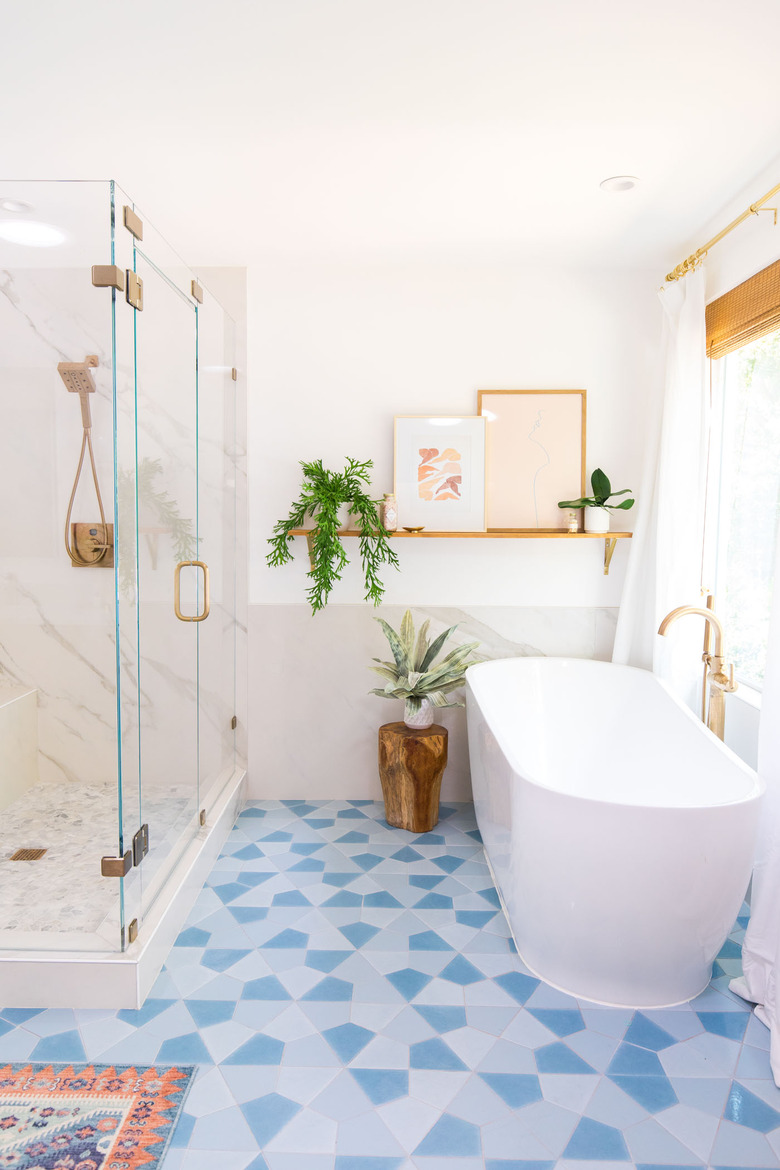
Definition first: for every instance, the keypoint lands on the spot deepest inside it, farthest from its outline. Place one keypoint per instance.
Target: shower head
(78, 380)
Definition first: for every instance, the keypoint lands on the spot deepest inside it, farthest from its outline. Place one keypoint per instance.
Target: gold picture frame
(535, 456)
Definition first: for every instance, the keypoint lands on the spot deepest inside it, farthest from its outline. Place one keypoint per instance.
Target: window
(746, 448)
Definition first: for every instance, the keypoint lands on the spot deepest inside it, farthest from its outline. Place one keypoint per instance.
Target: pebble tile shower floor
(354, 1002)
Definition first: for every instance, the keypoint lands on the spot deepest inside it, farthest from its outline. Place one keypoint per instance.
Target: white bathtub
(619, 830)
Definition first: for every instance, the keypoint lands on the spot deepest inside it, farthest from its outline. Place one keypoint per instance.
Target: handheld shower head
(78, 380)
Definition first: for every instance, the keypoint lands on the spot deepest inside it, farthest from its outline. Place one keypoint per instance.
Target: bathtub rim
(758, 783)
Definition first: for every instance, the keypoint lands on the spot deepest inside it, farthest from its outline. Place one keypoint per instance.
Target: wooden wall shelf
(610, 538)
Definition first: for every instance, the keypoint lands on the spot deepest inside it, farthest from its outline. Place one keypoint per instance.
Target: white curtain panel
(664, 568)
(761, 948)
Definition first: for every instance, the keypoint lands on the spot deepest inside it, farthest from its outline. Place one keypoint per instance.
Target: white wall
(336, 349)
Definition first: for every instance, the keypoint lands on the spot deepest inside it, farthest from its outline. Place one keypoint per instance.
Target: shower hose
(100, 549)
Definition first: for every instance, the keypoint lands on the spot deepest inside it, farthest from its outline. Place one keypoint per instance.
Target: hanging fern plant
(323, 493)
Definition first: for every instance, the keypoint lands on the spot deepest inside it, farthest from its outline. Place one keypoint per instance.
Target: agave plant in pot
(596, 514)
(415, 676)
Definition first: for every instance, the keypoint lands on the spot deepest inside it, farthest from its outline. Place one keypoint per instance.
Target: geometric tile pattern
(354, 1001)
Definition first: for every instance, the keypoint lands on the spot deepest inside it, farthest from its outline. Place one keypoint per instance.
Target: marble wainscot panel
(313, 724)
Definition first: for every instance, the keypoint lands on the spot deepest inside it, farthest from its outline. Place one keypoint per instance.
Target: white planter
(596, 520)
(422, 718)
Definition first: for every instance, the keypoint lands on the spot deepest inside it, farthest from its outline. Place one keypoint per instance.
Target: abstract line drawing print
(439, 474)
(537, 425)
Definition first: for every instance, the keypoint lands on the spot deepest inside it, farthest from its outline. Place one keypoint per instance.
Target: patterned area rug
(89, 1116)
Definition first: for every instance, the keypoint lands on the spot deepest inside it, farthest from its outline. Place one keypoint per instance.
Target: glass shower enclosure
(122, 490)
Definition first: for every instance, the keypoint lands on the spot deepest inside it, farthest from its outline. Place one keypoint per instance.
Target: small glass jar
(389, 515)
(572, 520)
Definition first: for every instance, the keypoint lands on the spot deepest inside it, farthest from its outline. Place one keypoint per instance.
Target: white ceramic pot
(422, 718)
(596, 520)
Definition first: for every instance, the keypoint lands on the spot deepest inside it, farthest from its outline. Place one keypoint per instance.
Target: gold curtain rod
(696, 258)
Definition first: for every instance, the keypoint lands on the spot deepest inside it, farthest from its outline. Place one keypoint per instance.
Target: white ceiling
(461, 126)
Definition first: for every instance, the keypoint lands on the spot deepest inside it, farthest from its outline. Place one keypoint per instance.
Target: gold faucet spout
(720, 683)
(708, 616)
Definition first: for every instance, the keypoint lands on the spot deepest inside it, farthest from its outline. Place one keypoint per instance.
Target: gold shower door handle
(200, 617)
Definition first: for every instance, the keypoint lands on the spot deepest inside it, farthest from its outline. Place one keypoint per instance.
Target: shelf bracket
(609, 548)
(310, 546)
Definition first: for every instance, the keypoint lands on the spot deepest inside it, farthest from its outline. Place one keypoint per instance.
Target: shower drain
(28, 855)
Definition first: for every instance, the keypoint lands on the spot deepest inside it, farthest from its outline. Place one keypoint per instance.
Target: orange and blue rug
(88, 1116)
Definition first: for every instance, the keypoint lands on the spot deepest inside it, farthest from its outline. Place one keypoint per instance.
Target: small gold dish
(419, 528)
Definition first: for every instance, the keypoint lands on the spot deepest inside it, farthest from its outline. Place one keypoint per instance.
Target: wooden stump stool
(411, 764)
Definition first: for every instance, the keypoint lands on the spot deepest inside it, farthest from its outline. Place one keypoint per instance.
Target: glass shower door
(168, 590)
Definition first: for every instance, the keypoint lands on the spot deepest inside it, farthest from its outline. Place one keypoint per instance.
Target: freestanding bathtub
(619, 829)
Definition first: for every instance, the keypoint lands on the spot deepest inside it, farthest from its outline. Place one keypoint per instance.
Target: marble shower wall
(56, 622)
(313, 724)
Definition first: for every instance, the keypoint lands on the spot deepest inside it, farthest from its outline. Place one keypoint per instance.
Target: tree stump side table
(411, 765)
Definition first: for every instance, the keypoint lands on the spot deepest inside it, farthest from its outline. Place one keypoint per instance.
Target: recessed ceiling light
(31, 233)
(14, 205)
(619, 183)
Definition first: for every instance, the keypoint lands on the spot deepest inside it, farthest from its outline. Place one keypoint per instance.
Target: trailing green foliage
(322, 494)
(414, 674)
(602, 491)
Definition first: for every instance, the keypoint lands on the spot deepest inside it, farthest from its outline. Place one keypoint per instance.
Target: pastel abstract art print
(440, 472)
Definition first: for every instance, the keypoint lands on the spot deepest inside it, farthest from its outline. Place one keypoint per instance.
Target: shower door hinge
(234, 374)
(234, 722)
(134, 223)
(197, 292)
(140, 844)
(135, 290)
(108, 276)
(132, 931)
(202, 818)
(116, 866)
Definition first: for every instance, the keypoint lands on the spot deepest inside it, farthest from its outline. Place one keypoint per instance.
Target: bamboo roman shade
(744, 313)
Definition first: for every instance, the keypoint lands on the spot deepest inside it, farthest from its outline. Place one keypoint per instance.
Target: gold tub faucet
(720, 683)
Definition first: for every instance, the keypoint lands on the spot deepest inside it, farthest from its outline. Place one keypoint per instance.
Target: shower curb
(72, 979)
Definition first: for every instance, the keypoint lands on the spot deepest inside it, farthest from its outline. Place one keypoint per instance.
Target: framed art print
(440, 472)
(535, 455)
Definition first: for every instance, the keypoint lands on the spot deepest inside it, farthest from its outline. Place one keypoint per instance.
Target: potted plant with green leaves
(415, 676)
(323, 494)
(596, 507)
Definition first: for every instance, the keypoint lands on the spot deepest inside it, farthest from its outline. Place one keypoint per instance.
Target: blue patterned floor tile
(441, 1018)
(652, 1093)
(382, 1084)
(426, 881)
(409, 982)
(559, 1058)
(644, 1033)
(206, 1012)
(62, 1046)
(288, 940)
(429, 940)
(359, 933)
(348, 1040)
(450, 1136)
(595, 1141)
(187, 1049)
(330, 989)
(732, 1025)
(515, 1089)
(517, 1164)
(561, 1021)
(746, 1109)
(435, 1054)
(267, 1115)
(633, 1061)
(520, 987)
(461, 971)
(366, 1162)
(259, 1050)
